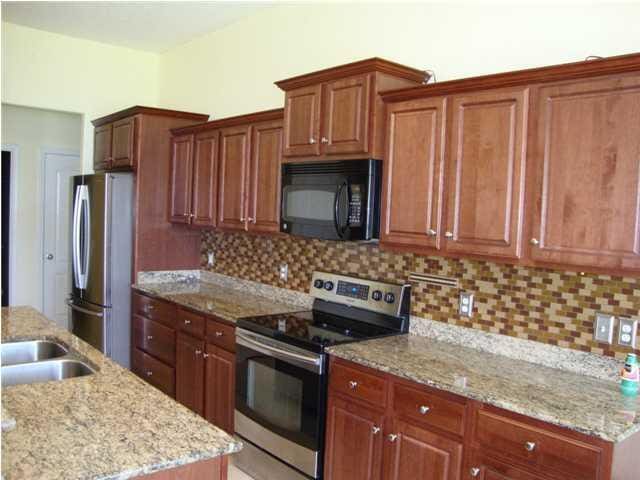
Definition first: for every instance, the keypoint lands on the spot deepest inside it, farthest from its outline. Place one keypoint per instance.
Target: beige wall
(33, 130)
(232, 71)
(47, 70)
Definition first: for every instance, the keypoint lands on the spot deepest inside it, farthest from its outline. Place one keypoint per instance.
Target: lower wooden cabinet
(190, 372)
(219, 387)
(483, 467)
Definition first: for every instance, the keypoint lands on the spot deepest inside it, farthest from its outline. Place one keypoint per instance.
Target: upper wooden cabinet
(102, 147)
(586, 206)
(234, 165)
(336, 112)
(181, 174)
(114, 145)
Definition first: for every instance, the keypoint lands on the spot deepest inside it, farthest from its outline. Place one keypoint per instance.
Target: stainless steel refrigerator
(101, 250)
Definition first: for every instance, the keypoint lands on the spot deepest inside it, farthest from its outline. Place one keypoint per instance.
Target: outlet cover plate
(284, 272)
(603, 331)
(465, 305)
(627, 332)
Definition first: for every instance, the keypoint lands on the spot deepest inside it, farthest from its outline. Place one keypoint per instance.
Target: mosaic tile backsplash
(544, 305)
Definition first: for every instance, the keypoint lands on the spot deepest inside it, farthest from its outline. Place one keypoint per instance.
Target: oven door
(280, 399)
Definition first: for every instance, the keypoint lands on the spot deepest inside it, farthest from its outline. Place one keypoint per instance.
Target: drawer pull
(149, 337)
(530, 446)
(198, 352)
(353, 385)
(206, 355)
(149, 373)
(392, 437)
(187, 322)
(375, 430)
(219, 334)
(475, 471)
(424, 410)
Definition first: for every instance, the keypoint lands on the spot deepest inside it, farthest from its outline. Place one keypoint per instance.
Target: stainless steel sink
(13, 353)
(44, 371)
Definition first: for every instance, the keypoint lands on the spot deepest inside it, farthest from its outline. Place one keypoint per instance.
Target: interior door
(59, 170)
(302, 121)
(233, 171)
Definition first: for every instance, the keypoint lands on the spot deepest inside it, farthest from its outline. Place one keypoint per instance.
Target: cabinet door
(264, 191)
(412, 188)
(232, 177)
(302, 121)
(413, 452)
(220, 388)
(205, 180)
(102, 147)
(353, 448)
(346, 115)
(483, 467)
(587, 174)
(190, 372)
(485, 185)
(181, 175)
(123, 143)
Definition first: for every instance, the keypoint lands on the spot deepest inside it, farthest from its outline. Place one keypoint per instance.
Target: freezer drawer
(90, 322)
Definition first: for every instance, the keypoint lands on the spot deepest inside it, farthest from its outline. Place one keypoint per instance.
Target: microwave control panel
(355, 206)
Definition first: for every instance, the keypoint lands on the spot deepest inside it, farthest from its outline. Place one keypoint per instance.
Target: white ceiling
(154, 26)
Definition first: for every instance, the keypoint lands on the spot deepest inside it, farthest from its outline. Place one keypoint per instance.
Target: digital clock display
(353, 290)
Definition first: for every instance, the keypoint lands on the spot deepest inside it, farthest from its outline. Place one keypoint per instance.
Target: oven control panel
(388, 298)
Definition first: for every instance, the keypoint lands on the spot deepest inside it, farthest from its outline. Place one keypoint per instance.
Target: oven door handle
(309, 363)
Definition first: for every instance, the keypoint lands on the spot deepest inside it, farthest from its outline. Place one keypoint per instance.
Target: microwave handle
(336, 210)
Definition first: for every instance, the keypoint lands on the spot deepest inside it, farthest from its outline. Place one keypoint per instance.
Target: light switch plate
(603, 331)
(284, 272)
(465, 305)
(627, 332)
(211, 259)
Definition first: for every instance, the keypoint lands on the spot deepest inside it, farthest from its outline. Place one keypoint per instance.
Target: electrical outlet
(605, 324)
(465, 307)
(284, 272)
(627, 332)
(211, 259)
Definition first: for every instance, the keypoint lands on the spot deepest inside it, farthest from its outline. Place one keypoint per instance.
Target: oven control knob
(389, 298)
(376, 295)
(328, 286)
(318, 283)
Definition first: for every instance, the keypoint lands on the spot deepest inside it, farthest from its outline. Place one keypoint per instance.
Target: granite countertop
(222, 301)
(581, 403)
(109, 425)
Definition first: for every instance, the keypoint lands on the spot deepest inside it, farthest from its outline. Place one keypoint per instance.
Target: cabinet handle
(242, 219)
(219, 334)
(206, 355)
(324, 140)
(448, 234)
(149, 337)
(198, 352)
(475, 471)
(312, 140)
(251, 220)
(392, 437)
(424, 410)
(149, 373)
(375, 430)
(192, 215)
(187, 322)
(353, 385)
(431, 232)
(535, 242)
(148, 308)
(530, 446)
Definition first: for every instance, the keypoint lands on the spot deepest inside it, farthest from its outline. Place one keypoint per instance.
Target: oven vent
(433, 279)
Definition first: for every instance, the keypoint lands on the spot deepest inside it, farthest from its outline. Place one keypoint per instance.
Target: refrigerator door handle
(87, 236)
(84, 233)
(75, 238)
(73, 306)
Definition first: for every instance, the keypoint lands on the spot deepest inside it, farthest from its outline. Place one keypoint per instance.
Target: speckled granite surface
(228, 300)
(8, 422)
(110, 425)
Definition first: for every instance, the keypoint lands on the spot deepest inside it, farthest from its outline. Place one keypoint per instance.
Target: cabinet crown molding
(567, 71)
(139, 110)
(263, 116)
(369, 65)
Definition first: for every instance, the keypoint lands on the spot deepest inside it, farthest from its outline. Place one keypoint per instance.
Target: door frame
(14, 151)
(43, 152)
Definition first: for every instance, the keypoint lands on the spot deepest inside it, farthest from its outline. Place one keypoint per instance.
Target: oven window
(275, 396)
(314, 202)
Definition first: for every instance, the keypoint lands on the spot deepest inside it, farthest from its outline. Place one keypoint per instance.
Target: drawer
(191, 323)
(153, 371)
(221, 335)
(546, 450)
(429, 408)
(158, 310)
(155, 339)
(358, 384)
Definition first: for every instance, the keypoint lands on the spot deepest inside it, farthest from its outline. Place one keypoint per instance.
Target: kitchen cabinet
(483, 467)
(335, 113)
(102, 147)
(234, 166)
(220, 379)
(190, 372)
(114, 145)
(181, 178)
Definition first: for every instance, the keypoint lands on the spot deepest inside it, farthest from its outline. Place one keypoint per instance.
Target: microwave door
(340, 207)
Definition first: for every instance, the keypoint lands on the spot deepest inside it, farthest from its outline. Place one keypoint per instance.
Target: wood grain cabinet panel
(220, 380)
(483, 467)
(102, 147)
(155, 339)
(302, 117)
(153, 371)
(233, 170)
(417, 453)
(354, 441)
(181, 174)
(587, 170)
(413, 173)
(205, 185)
(485, 187)
(190, 372)
(346, 115)
(264, 188)
(123, 143)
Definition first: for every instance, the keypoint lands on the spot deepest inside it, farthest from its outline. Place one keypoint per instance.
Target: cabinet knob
(149, 337)
(192, 215)
(431, 232)
(475, 471)
(206, 355)
(530, 446)
(534, 241)
(242, 219)
(251, 220)
(198, 352)
(187, 322)
(148, 308)
(149, 373)
(219, 334)
(312, 140)
(424, 410)
(375, 430)
(353, 385)
(448, 234)
(324, 140)
(392, 437)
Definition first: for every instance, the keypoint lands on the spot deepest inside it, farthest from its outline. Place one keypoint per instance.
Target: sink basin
(44, 371)
(13, 353)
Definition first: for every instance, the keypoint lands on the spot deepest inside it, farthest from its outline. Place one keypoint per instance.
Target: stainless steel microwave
(337, 200)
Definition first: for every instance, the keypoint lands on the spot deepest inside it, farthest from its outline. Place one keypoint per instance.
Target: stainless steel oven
(280, 401)
(337, 200)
